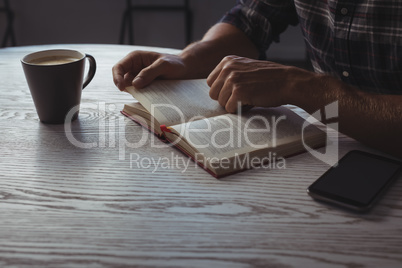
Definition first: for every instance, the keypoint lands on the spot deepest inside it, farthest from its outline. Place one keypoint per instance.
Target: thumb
(149, 74)
(140, 82)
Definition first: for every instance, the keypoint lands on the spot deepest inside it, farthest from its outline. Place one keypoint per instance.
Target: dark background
(99, 21)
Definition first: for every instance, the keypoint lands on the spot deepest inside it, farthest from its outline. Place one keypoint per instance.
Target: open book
(182, 113)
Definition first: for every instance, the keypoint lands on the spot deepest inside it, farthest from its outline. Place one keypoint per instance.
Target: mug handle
(91, 71)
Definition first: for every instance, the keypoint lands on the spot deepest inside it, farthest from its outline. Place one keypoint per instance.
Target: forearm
(221, 40)
(373, 119)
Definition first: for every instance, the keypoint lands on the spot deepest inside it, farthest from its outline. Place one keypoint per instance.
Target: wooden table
(61, 205)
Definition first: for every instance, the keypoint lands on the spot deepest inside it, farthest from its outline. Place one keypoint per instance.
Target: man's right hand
(140, 68)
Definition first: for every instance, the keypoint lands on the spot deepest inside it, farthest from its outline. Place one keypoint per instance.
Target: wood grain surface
(95, 206)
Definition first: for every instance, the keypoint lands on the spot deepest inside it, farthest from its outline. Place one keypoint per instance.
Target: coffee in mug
(56, 80)
(53, 60)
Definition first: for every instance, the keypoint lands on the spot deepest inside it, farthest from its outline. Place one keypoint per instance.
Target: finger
(238, 100)
(118, 76)
(214, 74)
(216, 80)
(128, 79)
(149, 74)
(225, 92)
(121, 68)
(133, 63)
(216, 87)
(232, 104)
(218, 69)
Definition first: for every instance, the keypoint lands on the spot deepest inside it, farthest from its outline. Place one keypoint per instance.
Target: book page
(259, 128)
(174, 102)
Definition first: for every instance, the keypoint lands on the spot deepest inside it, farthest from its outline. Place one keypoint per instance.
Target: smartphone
(356, 181)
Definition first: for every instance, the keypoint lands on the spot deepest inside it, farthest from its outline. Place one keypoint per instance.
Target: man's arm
(140, 68)
(221, 40)
(373, 119)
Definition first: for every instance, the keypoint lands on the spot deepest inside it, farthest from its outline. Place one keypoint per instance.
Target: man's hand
(140, 68)
(255, 83)
(370, 118)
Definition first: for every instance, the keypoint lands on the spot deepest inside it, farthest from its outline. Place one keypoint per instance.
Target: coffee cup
(56, 80)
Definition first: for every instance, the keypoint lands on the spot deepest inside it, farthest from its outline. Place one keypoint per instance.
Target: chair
(131, 8)
(9, 34)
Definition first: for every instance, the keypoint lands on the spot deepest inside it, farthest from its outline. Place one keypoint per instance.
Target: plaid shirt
(357, 41)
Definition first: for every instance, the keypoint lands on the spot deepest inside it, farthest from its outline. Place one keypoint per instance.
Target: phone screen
(357, 180)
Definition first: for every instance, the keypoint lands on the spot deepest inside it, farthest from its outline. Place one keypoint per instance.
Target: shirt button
(344, 11)
(345, 74)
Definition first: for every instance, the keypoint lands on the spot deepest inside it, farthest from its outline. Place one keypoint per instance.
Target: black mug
(56, 80)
